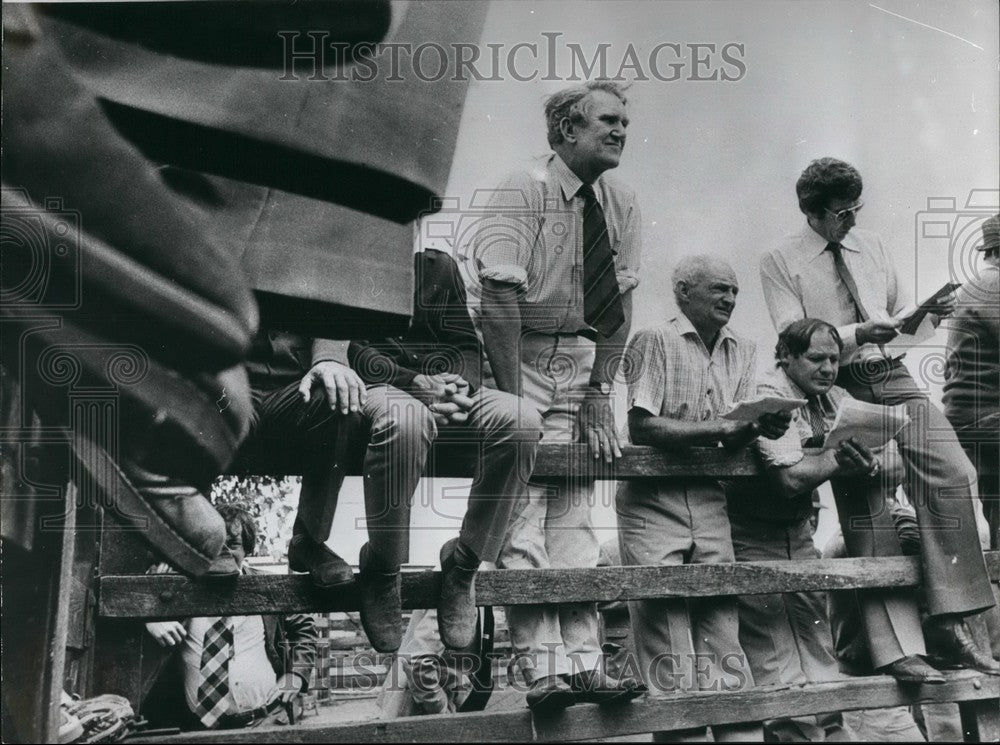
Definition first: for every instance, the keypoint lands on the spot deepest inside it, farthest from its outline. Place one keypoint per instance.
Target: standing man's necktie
(845, 276)
(213, 689)
(602, 300)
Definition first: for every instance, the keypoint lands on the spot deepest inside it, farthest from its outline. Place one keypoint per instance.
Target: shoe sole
(553, 701)
(918, 680)
(609, 699)
(136, 511)
(297, 568)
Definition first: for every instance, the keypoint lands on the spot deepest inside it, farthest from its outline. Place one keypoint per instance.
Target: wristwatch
(604, 388)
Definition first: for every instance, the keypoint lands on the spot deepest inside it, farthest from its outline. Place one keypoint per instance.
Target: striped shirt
(532, 236)
(671, 373)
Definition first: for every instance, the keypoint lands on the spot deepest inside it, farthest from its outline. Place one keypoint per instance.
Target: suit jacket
(290, 642)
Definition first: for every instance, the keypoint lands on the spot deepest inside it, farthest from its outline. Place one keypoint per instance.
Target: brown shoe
(326, 569)
(912, 669)
(457, 615)
(381, 606)
(175, 517)
(953, 645)
(549, 694)
(594, 687)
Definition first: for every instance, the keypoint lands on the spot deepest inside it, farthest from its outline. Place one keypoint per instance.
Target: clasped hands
(446, 395)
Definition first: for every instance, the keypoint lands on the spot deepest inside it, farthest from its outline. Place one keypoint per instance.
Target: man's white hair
(691, 269)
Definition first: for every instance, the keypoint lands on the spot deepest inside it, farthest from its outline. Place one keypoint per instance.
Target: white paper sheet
(871, 425)
(752, 409)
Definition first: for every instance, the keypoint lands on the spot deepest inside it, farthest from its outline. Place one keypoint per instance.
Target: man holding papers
(787, 638)
(682, 376)
(846, 277)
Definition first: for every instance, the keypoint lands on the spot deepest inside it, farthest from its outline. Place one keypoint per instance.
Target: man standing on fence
(683, 375)
(232, 671)
(557, 260)
(846, 277)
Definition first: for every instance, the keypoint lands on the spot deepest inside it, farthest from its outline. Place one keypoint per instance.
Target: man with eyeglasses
(227, 672)
(846, 277)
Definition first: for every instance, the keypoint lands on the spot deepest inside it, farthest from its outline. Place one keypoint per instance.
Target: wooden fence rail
(125, 595)
(165, 596)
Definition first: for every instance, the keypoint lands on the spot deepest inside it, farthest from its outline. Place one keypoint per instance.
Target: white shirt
(251, 677)
(801, 281)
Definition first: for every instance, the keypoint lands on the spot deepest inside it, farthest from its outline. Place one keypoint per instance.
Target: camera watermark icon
(501, 235)
(40, 250)
(946, 230)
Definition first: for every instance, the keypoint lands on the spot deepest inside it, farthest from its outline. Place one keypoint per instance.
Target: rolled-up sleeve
(787, 450)
(646, 363)
(506, 234)
(630, 249)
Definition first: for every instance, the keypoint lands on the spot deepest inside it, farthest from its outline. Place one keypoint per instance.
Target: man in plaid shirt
(683, 376)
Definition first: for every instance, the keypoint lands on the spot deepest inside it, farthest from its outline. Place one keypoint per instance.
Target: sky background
(906, 91)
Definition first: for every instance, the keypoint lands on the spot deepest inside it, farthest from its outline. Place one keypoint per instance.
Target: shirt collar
(817, 244)
(685, 328)
(569, 182)
(824, 399)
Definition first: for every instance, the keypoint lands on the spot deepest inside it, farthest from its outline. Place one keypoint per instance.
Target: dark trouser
(400, 432)
(939, 484)
(786, 637)
(890, 617)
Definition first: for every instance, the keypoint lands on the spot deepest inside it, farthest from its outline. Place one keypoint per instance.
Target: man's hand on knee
(344, 389)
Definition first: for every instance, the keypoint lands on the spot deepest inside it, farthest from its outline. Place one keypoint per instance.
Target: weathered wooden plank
(35, 616)
(163, 596)
(648, 714)
(980, 720)
(555, 460)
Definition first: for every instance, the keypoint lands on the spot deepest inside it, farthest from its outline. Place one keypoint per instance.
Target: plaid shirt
(671, 373)
(787, 450)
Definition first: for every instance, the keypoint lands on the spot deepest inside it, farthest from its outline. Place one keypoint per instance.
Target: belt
(865, 370)
(246, 718)
(585, 333)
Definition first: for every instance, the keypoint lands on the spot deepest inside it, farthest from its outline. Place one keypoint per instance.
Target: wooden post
(980, 720)
(35, 612)
(118, 643)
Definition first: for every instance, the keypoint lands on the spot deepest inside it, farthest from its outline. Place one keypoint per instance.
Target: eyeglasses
(841, 215)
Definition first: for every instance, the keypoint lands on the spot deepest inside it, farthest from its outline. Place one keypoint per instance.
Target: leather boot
(381, 606)
(457, 615)
(953, 645)
(173, 516)
(326, 569)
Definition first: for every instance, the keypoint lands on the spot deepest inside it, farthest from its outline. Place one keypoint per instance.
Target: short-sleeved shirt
(671, 373)
(532, 236)
(800, 280)
(757, 498)
(787, 450)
